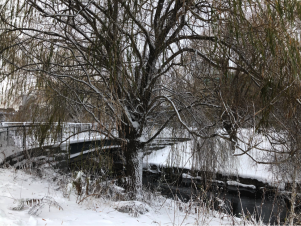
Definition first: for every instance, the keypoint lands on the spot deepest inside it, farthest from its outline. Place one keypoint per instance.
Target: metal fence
(27, 135)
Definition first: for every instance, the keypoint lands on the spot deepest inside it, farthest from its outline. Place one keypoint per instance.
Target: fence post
(24, 137)
(7, 136)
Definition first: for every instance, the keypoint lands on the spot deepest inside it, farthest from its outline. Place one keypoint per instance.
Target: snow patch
(235, 183)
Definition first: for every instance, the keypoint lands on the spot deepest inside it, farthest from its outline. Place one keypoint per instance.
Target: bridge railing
(28, 135)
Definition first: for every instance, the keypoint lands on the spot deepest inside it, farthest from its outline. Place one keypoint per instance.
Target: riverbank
(17, 185)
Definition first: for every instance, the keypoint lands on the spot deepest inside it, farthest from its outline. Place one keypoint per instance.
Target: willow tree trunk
(133, 152)
(134, 173)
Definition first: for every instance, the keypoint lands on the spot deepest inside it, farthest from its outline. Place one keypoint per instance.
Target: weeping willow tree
(263, 91)
(126, 62)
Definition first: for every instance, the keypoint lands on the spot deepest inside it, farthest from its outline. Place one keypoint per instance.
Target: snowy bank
(16, 185)
(181, 155)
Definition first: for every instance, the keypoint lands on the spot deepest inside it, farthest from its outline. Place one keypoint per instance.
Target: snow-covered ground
(181, 155)
(56, 209)
(47, 198)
